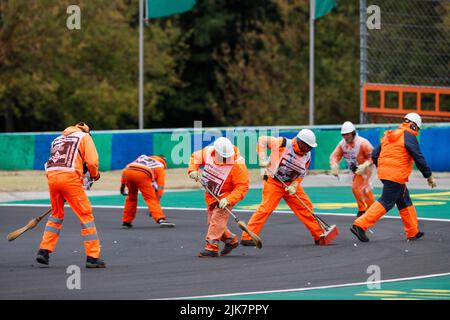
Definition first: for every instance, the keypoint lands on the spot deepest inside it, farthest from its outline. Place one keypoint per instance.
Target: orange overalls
(288, 162)
(226, 180)
(69, 153)
(146, 174)
(395, 157)
(355, 154)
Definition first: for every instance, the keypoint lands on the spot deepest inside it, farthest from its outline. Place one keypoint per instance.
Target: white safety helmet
(308, 137)
(224, 147)
(347, 127)
(414, 117)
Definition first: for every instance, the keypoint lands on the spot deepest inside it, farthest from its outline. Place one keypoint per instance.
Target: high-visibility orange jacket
(156, 171)
(277, 145)
(395, 156)
(236, 184)
(73, 144)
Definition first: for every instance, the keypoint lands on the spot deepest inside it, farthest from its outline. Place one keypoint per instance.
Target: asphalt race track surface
(148, 262)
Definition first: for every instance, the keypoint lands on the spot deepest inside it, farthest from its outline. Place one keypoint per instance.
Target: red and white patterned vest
(214, 175)
(291, 165)
(64, 152)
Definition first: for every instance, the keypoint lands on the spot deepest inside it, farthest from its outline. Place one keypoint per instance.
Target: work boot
(208, 254)
(319, 242)
(247, 243)
(359, 233)
(127, 225)
(228, 248)
(417, 236)
(360, 213)
(163, 223)
(94, 262)
(43, 256)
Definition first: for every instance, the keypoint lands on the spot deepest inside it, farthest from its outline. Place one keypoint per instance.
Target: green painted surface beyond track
(435, 288)
(429, 203)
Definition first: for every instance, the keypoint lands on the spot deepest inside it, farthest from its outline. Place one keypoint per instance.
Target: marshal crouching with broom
(286, 167)
(146, 174)
(73, 154)
(225, 175)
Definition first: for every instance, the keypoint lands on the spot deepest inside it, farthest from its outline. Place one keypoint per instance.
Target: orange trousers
(68, 186)
(139, 181)
(393, 194)
(217, 228)
(362, 191)
(273, 192)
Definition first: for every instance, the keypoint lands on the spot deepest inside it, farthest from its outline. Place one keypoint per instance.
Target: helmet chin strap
(221, 159)
(297, 149)
(412, 125)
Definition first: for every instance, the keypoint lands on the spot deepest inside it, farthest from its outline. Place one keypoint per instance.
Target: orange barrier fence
(433, 102)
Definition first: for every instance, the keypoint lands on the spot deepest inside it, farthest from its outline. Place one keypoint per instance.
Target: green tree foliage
(51, 77)
(214, 25)
(226, 62)
(260, 71)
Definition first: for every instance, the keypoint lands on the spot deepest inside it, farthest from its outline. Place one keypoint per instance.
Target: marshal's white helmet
(414, 117)
(347, 127)
(224, 147)
(308, 137)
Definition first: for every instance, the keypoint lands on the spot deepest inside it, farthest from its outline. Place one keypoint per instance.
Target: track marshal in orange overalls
(357, 153)
(147, 175)
(73, 154)
(289, 160)
(225, 174)
(394, 157)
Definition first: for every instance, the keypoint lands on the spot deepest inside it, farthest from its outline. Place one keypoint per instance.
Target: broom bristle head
(15, 234)
(328, 237)
(255, 238)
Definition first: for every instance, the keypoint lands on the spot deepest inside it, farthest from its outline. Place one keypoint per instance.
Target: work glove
(194, 175)
(97, 177)
(264, 162)
(292, 188)
(335, 169)
(363, 167)
(87, 184)
(431, 181)
(122, 190)
(87, 181)
(223, 203)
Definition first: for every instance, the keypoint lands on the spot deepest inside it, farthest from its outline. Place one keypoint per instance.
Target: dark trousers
(394, 194)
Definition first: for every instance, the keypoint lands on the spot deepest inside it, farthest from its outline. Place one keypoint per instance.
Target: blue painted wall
(118, 148)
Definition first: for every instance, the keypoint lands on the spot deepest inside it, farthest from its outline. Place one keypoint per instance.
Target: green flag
(164, 8)
(323, 7)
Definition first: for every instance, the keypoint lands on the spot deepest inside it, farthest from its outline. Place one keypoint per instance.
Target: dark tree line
(226, 62)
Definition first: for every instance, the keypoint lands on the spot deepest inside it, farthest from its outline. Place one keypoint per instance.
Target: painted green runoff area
(429, 203)
(433, 288)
